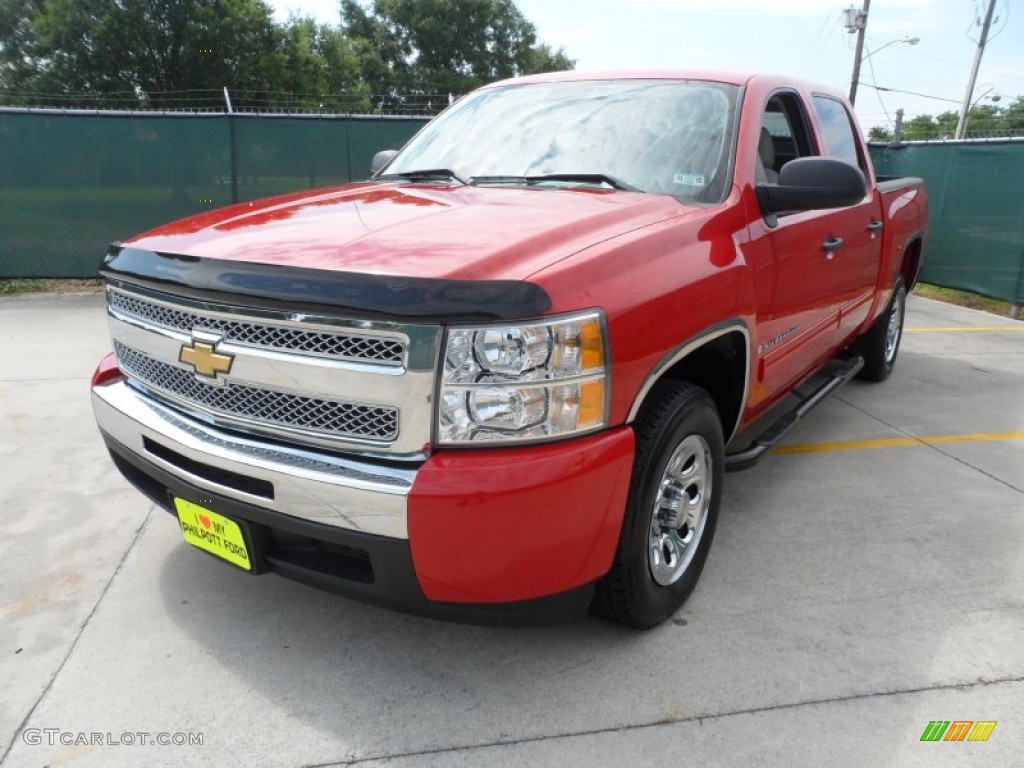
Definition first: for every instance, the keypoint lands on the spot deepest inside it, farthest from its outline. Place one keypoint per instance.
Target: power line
(878, 92)
(811, 52)
(921, 54)
(909, 93)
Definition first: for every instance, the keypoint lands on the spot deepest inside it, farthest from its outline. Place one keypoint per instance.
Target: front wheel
(881, 342)
(672, 508)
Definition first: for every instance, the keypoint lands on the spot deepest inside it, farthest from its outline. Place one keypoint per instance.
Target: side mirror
(381, 159)
(813, 183)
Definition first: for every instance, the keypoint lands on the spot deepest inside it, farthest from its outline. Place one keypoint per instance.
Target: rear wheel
(672, 507)
(881, 343)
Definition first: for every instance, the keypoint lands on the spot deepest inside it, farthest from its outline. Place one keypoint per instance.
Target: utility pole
(858, 20)
(897, 134)
(961, 126)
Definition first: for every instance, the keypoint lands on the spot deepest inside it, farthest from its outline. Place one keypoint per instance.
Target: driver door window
(784, 136)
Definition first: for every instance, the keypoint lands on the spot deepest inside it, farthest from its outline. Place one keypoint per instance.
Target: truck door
(857, 261)
(798, 311)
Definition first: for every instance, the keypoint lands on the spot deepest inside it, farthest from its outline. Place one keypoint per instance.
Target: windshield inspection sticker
(691, 179)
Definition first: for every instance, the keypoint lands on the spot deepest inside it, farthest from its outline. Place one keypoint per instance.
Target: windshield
(658, 136)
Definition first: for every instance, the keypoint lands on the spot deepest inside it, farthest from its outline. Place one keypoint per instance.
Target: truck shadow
(379, 681)
(832, 577)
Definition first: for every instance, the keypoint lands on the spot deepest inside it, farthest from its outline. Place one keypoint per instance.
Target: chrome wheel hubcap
(680, 510)
(892, 334)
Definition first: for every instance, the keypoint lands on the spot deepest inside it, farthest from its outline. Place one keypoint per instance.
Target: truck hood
(467, 233)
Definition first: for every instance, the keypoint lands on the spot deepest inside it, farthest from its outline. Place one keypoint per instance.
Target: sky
(803, 38)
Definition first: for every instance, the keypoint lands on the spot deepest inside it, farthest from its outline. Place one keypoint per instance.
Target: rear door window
(837, 130)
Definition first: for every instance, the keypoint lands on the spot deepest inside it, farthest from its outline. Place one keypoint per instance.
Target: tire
(661, 551)
(881, 342)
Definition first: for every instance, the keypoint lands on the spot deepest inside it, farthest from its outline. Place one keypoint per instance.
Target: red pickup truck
(503, 379)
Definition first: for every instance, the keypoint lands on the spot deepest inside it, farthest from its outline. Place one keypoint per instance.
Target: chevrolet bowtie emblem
(205, 359)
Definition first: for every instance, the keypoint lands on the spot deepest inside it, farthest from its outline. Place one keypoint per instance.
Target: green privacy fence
(72, 183)
(976, 239)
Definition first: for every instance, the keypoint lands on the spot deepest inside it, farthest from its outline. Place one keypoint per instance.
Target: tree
(18, 56)
(879, 133)
(182, 53)
(984, 120)
(317, 66)
(145, 47)
(919, 128)
(945, 124)
(444, 46)
(1013, 117)
(543, 58)
(924, 127)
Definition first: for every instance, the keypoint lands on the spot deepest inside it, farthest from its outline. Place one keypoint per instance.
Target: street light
(986, 94)
(907, 40)
(862, 57)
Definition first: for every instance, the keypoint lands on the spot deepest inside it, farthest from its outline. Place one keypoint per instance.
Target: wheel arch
(718, 361)
(911, 260)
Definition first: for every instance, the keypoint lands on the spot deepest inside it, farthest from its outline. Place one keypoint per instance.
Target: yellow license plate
(216, 534)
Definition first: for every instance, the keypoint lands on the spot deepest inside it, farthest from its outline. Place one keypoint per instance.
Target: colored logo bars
(958, 730)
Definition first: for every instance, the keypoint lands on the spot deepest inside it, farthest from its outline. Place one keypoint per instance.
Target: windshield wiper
(583, 178)
(428, 174)
(587, 178)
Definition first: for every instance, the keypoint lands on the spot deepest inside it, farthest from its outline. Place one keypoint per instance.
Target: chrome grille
(292, 459)
(279, 409)
(341, 345)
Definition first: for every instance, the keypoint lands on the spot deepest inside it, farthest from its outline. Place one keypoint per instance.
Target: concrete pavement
(853, 594)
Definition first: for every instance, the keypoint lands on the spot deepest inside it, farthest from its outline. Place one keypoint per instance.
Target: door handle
(875, 226)
(832, 245)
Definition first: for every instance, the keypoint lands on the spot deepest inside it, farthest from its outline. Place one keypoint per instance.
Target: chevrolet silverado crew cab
(502, 379)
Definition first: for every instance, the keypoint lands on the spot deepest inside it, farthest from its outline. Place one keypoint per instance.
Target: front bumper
(314, 486)
(515, 535)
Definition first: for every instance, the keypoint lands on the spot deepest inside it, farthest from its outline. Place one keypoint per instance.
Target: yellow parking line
(898, 442)
(968, 329)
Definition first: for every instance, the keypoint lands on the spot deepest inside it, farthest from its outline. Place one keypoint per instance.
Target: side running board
(847, 369)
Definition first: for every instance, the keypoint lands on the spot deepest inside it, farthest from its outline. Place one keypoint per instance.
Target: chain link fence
(224, 100)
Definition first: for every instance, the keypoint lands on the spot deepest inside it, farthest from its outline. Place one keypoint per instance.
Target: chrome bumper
(325, 489)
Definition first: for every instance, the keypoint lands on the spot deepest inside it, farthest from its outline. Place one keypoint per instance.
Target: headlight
(528, 381)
